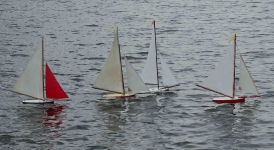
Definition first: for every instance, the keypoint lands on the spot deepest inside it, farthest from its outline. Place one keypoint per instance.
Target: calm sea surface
(192, 37)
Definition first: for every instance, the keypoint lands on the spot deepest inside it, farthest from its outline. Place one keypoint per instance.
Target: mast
(107, 79)
(121, 64)
(234, 66)
(43, 75)
(156, 54)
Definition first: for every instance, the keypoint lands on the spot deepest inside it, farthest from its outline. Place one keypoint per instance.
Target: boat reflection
(121, 118)
(53, 119)
(117, 112)
(52, 115)
(232, 124)
(40, 120)
(113, 109)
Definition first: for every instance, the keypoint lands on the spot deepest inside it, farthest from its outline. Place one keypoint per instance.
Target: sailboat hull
(229, 100)
(118, 95)
(37, 101)
(161, 89)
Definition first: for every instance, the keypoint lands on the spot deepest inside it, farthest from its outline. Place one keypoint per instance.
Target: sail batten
(30, 82)
(110, 77)
(167, 76)
(246, 82)
(135, 83)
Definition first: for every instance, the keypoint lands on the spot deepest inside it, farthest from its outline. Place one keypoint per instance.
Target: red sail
(53, 88)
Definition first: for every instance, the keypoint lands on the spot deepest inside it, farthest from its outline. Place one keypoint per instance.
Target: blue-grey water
(192, 37)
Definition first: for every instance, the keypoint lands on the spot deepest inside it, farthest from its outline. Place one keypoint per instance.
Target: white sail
(111, 76)
(135, 83)
(149, 74)
(245, 80)
(167, 76)
(221, 78)
(31, 80)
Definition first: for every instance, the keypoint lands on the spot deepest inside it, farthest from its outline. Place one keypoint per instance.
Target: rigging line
(238, 49)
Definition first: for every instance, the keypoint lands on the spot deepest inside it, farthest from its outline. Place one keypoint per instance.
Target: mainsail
(221, 79)
(135, 83)
(149, 74)
(30, 82)
(111, 76)
(246, 82)
(167, 76)
(53, 88)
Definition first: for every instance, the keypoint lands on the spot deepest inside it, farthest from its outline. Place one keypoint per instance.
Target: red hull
(229, 100)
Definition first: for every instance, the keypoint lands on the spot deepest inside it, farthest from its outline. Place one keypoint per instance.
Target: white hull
(161, 89)
(37, 101)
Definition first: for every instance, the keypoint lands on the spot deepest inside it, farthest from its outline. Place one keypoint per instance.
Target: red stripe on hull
(235, 100)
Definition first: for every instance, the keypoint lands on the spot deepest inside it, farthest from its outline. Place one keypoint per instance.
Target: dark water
(192, 37)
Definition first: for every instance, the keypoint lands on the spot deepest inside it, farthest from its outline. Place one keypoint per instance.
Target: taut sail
(221, 79)
(135, 83)
(149, 73)
(111, 76)
(246, 82)
(31, 81)
(167, 76)
(53, 88)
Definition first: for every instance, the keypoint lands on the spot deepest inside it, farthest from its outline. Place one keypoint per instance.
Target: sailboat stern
(229, 100)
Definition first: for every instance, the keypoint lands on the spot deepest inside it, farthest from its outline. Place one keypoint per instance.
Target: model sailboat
(32, 81)
(222, 78)
(111, 76)
(150, 72)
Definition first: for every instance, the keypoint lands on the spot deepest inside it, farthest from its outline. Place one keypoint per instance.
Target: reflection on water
(113, 109)
(49, 116)
(191, 36)
(233, 124)
(125, 119)
(53, 119)
(35, 123)
(111, 114)
(52, 115)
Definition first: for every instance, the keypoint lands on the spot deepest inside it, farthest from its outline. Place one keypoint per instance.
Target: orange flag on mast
(153, 22)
